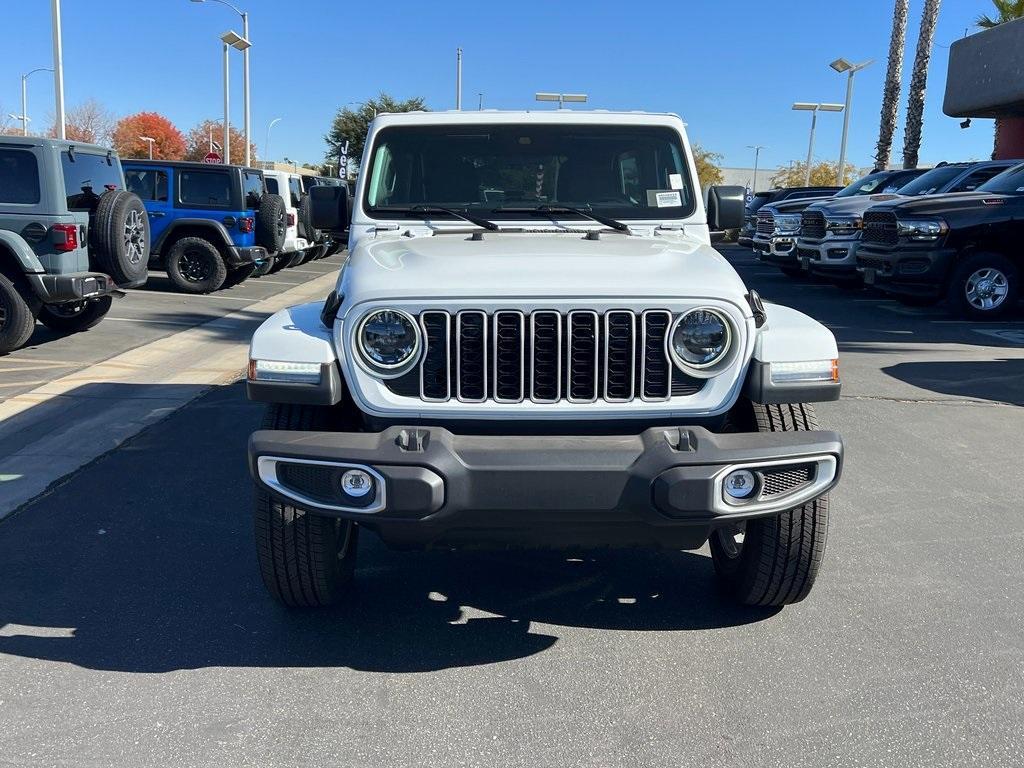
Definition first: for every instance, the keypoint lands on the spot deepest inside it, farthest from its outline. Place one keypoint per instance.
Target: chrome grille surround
(618, 387)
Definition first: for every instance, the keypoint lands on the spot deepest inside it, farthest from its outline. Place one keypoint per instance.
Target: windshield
(632, 172)
(881, 181)
(933, 181)
(756, 202)
(1009, 182)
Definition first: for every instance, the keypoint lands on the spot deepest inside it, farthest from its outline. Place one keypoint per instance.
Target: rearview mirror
(329, 208)
(726, 206)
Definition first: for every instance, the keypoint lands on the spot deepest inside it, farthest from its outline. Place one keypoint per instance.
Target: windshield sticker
(663, 199)
(675, 181)
(1020, 189)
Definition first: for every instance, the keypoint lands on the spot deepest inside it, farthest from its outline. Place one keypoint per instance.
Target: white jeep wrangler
(534, 343)
(296, 248)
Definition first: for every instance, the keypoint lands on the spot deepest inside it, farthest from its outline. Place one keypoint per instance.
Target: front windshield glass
(1009, 182)
(933, 181)
(619, 171)
(864, 186)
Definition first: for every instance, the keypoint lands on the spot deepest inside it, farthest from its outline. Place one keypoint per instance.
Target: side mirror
(726, 206)
(329, 208)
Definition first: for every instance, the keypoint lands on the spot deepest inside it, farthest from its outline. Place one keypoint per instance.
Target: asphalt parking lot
(134, 630)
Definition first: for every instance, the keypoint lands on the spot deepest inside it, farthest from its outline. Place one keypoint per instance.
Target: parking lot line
(195, 295)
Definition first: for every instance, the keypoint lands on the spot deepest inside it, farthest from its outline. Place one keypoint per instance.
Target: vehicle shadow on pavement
(997, 380)
(144, 562)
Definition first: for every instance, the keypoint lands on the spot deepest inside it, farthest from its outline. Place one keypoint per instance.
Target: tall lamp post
(58, 68)
(149, 140)
(24, 99)
(757, 153)
(245, 72)
(843, 65)
(232, 39)
(813, 109)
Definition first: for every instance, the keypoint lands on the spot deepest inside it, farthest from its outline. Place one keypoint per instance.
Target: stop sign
(212, 157)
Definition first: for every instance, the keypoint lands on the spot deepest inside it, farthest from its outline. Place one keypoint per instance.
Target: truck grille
(812, 224)
(765, 222)
(545, 356)
(880, 227)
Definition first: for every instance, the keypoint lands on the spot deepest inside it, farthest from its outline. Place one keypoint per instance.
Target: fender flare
(222, 238)
(296, 335)
(24, 257)
(789, 336)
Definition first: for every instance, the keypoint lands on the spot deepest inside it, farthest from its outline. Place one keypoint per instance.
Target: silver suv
(69, 236)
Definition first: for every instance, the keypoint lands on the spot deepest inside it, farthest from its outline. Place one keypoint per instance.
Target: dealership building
(986, 79)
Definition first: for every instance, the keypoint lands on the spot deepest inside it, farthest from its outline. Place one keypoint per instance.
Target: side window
(19, 177)
(974, 180)
(209, 189)
(295, 189)
(271, 184)
(252, 185)
(149, 185)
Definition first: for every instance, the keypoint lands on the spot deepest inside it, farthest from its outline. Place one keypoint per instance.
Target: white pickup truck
(533, 342)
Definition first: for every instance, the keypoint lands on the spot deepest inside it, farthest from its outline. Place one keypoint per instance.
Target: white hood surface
(556, 265)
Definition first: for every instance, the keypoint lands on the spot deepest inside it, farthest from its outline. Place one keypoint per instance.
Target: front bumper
(240, 256)
(661, 487)
(910, 271)
(830, 257)
(777, 249)
(74, 286)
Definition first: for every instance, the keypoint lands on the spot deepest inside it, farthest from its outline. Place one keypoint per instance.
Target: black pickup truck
(963, 247)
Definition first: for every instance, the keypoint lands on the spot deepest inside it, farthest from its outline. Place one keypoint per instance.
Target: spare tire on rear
(271, 223)
(306, 228)
(120, 237)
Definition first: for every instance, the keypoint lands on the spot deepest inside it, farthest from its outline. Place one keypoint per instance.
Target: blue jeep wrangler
(212, 225)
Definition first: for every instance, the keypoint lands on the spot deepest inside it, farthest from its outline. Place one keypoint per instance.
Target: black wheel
(794, 273)
(16, 320)
(774, 560)
(75, 316)
(120, 237)
(238, 275)
(271, 223)
(306, 560)
(984, 286)
(195, 265)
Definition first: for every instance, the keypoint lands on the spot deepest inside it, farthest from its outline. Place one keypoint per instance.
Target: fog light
(740, 484)
(356, 483)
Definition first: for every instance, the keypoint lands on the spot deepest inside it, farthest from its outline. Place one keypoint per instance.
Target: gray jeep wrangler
(70, 236)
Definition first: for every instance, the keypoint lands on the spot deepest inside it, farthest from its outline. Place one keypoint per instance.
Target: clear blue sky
(730, 68)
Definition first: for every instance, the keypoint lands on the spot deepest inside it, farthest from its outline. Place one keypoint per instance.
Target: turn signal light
(291, 219)
(65, 237)
(809, 371)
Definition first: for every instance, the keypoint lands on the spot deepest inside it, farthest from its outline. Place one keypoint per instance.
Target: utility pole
(458, 79)
(480, 106)
(757, 152)
(58, 68)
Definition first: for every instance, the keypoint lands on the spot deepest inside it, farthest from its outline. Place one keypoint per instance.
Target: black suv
(775, 196)
(962, 247)
(212, 225)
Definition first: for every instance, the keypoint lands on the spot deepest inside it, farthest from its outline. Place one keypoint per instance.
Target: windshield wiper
(463, 214)
(549, 209)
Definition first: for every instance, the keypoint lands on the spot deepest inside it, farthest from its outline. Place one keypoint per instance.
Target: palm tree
(1007, 10)
(918, 83)
(893, 82)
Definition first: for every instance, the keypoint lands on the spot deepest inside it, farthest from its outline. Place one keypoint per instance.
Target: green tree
(918, 83)
(1006, 10)
(822, 175)
(708, 170)
(893, 83)
(351, 125)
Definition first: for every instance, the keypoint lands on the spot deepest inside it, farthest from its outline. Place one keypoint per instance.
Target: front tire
(76, 316)
(306, 560)
(773, 561)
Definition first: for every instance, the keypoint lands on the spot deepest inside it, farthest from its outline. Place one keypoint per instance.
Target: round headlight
(388, 338)
(700, 339)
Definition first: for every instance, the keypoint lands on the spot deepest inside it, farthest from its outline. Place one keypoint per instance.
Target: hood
(793, 206)
(940, 204)
(555, 266)
(852, 206)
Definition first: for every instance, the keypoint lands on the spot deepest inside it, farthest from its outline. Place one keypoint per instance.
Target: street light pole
(245, 87)
(813, 109)
(58, 68)
(227, 110)
(757, 153)
(842, 65)
(458, 79)
(24, 98)
(150, 140)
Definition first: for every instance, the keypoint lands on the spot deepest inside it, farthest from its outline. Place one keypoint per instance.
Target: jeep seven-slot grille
(812, 224)
(544, 356)
(765, 222)
(880, 227)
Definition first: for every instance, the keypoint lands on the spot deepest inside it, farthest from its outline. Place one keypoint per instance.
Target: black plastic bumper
(239, 256)
(661, 487)
(75, 286)
(910, 271)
